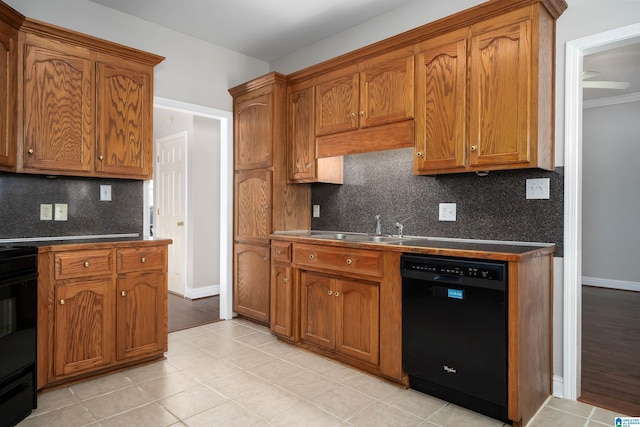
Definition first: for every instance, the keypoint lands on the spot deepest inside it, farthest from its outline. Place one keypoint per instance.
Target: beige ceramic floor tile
(276, 348)
(205, 339)
(116, 402)
(342, 402)
(419, 404)
(573, 407)
(193, 401)
(267, 402)
(228, 415)
(257, 338)
(148, 415)
(380, 414)
(195, 357)
(605, 416)
(304, 414)
(148, 372)
(455, 416)
(96, 387)
(238, 384)
(593, 423)
(169, 385)
(211, 371)
(224, 348)
(191, 332)
(235, 331)
(55, 399)
(550, 417)
(248, 358)
(68, 416)
(306, 385)
(274, 370)
(178, 346)
(369, 385)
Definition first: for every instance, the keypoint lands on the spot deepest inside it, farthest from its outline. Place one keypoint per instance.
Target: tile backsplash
(492, 207)
(22, 194)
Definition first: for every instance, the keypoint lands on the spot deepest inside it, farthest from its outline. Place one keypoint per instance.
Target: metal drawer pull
(349, 261)
(86, 264)
(61, 302)
(312, 256)
(123, 293)
(330, 292)
(143, 260)
(337, 294)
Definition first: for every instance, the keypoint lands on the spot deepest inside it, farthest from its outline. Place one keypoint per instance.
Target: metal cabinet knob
(361, 113)
(285, 280)
(101, 157)
(180, 223)
(143, 260)
(337, 294)
(278, 252)
(419, 154)
(123, 293)
(349, 261)
(30, 150)
(473, 148)
(86, 264)
(308, 165)
(312, 256)
(265, 259)
(62, 302)
(330, 292)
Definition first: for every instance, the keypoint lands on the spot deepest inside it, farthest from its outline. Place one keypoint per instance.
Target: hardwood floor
(610, 349)
(186, 313)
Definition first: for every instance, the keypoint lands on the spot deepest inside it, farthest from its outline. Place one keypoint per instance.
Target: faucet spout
(378, 225)
(400, 228)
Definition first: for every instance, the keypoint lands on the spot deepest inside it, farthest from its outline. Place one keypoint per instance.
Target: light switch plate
(105, 193)
(538, 188)
(60, 212)
(447, 212)
(316, 211)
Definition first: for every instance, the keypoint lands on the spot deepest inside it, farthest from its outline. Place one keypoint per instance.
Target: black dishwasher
(454, 330)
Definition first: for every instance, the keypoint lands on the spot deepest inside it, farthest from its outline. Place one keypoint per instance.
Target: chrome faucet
(378, 225)
(400, 228)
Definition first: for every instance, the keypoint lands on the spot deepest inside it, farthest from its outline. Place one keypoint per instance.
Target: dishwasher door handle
(446, 279)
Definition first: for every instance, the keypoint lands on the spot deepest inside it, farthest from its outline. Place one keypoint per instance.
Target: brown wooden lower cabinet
(251, 273)
(100, 307)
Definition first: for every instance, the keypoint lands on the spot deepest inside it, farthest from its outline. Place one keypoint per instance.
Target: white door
(170, 201)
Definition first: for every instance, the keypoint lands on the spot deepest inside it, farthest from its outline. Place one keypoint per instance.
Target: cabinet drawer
(83, 263)
(350, 260)
(281, 251)
(139, 259)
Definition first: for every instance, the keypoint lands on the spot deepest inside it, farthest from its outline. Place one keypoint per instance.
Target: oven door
(18, 319)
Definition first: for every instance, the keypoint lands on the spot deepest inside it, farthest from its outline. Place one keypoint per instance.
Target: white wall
(194, 71)
(610, 204)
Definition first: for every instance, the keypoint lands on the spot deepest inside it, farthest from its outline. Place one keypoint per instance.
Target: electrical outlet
(60, 213)
(316, 211)
(46, 212)
(447, 212)
(105, 193)
(538, 188)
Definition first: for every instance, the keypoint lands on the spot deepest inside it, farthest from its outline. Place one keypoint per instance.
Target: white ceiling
(271, 29)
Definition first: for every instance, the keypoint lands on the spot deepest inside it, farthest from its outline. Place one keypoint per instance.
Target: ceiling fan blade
(605, 85)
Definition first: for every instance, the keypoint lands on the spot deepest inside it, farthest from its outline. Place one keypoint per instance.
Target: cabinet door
(337, 102)
(124, 109)
(302, 135)
(386, 89)
(8, 95)
(141, 315)
(500, 79)
(57, 95)
(253, 132)
(84, 319)
(318, 309)
(358, 311)
(441, 104)
(252, 200)
(251, 274)
(282, 300)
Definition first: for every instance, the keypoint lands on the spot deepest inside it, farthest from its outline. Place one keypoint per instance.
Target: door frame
(572, 306)
(226, 191)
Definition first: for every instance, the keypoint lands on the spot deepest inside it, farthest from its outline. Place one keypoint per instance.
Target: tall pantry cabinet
(264, 202)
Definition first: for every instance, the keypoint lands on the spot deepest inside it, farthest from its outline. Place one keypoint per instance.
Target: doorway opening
(200, 212)
(573, 274)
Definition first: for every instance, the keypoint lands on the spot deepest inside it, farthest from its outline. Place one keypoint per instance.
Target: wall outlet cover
(60, 212)
(105, 193)
(538, 188)
(46, 212)
(447, 212)
(316, 211)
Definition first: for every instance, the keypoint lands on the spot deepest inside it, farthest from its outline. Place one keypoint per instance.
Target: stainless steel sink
(357, 237)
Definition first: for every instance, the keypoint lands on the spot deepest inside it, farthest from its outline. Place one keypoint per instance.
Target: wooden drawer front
(83, 263)
(145, 258)
(342, 259)
(281, 252)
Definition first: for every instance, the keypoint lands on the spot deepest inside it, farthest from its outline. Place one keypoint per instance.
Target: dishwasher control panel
(455, 267)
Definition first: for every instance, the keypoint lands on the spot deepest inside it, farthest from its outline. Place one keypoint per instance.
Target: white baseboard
(207, 291)
(558, 386)
(610, 283)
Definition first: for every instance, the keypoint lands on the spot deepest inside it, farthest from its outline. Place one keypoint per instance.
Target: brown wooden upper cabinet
(85, 105)
(253, 131)
(503, 66)
(375, 92)
(10, 21)
(252, 210)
